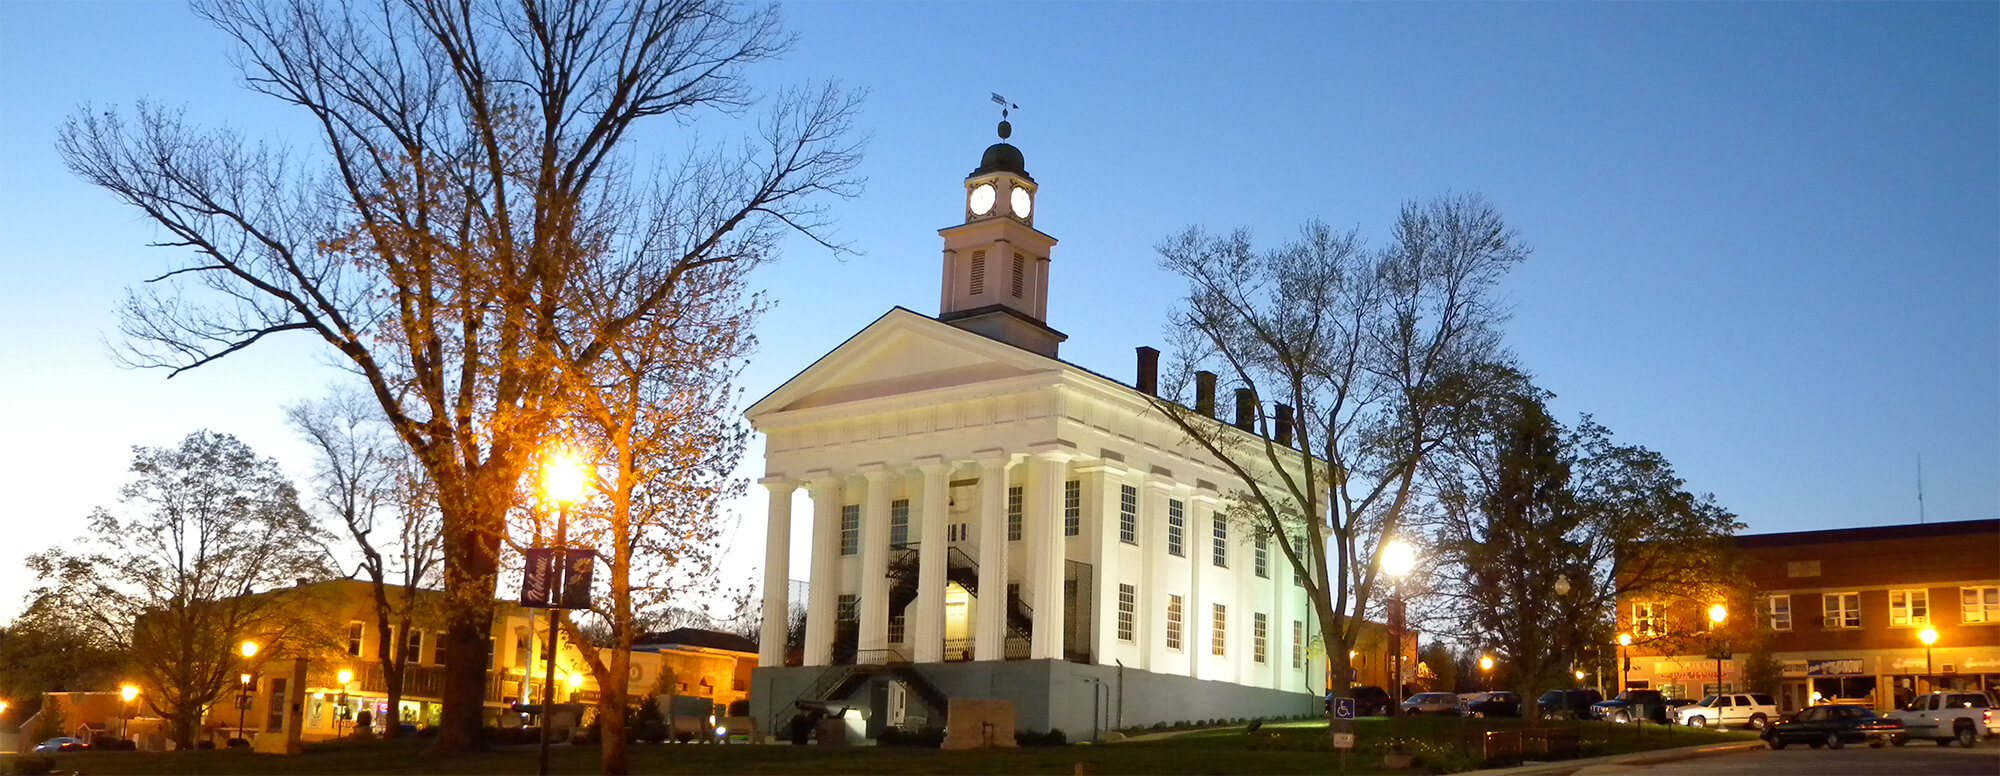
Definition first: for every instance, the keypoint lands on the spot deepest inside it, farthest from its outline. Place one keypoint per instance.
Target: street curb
(1652, 757)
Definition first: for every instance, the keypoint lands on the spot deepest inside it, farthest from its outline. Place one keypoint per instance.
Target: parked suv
(1752, 710)
(1633, 706)
(1568, 704)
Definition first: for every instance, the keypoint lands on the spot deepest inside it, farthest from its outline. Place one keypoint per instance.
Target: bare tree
(1365, 357)
(472, 179)
(207, 554)
(363, 476)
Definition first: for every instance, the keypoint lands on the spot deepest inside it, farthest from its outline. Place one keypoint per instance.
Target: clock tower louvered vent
(1000, 210)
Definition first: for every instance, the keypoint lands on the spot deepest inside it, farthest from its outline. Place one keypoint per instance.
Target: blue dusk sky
(1765, 235)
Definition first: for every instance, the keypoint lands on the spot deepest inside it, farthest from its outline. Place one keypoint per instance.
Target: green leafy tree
(1544, 528)
(204, 553)
(470, 225)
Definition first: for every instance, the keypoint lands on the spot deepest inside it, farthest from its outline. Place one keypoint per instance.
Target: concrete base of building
(1081, 700)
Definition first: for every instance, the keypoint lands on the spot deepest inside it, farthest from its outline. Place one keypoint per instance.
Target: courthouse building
(1844, 612)
(990, 521)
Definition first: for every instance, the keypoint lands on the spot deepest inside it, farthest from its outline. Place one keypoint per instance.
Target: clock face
(981, 200)
(1023, 203)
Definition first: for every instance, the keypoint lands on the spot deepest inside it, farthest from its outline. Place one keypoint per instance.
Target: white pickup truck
(1946, 716)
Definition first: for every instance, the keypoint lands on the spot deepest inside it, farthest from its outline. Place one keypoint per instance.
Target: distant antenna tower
(1920, 488)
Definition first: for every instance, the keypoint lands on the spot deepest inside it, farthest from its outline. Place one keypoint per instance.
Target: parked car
(1834, 726)
(1431, 703)
(1568, 704)
(1498, 703)
(1632, 706)
(61, 744)
(1752, 710)
(1947, 716)
(1370, 701)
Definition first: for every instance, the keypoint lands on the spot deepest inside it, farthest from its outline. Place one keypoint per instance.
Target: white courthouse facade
(994, 522)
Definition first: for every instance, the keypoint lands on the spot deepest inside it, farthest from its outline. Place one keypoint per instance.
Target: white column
(1156, 577)
(823, 594)
(874, 604)
(932, 549)
(1200, 544)
(1100, 525)
(1046, 545)
(777, 570)
(990, 630)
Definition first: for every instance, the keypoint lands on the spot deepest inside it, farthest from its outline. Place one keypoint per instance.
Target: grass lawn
(1294, 747)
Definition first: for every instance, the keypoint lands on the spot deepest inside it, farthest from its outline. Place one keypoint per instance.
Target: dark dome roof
(1001, 157)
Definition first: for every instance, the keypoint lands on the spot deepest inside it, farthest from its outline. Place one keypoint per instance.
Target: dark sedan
(1491, 704)
(1834, 726)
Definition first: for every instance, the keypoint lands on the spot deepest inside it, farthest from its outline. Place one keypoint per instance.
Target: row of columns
(1041, 524)
(1156, 574)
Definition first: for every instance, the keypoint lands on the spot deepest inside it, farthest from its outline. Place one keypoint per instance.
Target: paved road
(1920, 758)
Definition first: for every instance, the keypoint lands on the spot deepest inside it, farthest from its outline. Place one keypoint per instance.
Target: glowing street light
(564, 475)
(1716, 614)
(249, 649)
(339, 720)
(1928, 636)
(128, 692)
(1485, 662)
(1624, 660)
(1398, 558)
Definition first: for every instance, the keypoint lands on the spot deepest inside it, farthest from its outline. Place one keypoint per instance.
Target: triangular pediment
(900, 354)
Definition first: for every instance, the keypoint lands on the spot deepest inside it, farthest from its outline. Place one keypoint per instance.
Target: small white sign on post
(1343, 740)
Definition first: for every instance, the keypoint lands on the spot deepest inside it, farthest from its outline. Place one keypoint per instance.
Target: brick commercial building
(1843, 614)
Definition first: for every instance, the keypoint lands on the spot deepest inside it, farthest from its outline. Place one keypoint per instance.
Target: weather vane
(1006, 129)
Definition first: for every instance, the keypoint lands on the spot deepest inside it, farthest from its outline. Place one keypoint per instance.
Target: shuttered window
(978, 272)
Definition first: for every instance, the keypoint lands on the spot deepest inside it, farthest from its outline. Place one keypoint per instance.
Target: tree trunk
(184, 723)
(470, 566)
(611, 710)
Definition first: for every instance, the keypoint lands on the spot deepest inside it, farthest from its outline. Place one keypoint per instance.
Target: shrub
(1053, 737)
(930, 738)
(204, 744)
(233, 743)
(739, 707)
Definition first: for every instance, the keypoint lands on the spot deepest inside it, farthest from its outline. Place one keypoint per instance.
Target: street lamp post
(1928, 636)
(562, 483)
(1716, 614)
(249, 650)
(340, 720)
(1624, 661)
(128, 692)
(1398, 557)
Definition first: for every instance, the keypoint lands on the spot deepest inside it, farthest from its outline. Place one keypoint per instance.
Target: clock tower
(996, 264)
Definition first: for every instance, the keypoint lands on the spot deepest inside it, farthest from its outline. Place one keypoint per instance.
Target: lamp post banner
(576, 568)
(538, 577)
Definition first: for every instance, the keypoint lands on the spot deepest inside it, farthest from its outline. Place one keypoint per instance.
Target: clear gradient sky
(1767, 236)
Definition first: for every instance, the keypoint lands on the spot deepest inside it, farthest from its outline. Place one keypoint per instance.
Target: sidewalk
(1566, 767)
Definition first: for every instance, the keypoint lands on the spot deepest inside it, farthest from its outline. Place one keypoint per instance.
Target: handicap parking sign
(1343, 708)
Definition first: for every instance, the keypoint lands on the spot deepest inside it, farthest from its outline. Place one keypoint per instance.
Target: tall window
(896, 629)
(414, 649)
(1842, 610)
(1263, 558)
(1221, 543)
(1298, 644)
(1174, 611)
(524, 647)
(899, 522)
(1073, 508)
(1128, 613)
(1646, 618)
(1979, 604)
(354, 639)
(1781, 612)
(437, 650)
(978, 272)
(1176, 526)
(1219, 637)
(1014, 514)
(1020, 274)
(850, 529)
(847, 610)
(1260, 630)
(1128, 514)
(1299, 551)
(1909, 607)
